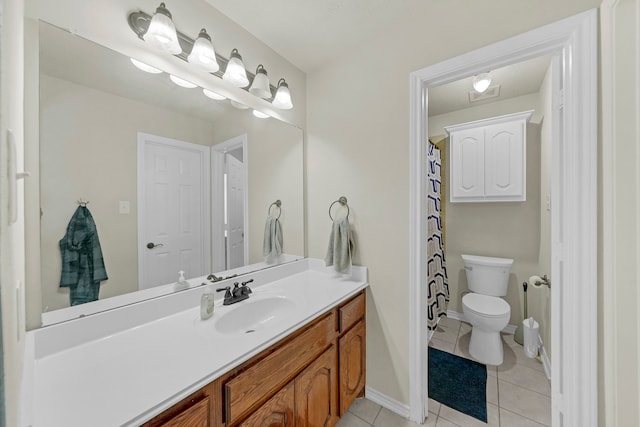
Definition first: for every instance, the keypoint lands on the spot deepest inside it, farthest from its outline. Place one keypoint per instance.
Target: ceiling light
(260, 86)
(202, 53)
(144, 67)
(213, 95)
(162, 33)
(282, 99)
(481, 82)
(182, 82)
(260, 114)
(238, 105)
(235, 72)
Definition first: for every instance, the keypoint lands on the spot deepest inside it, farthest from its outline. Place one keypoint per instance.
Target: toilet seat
(486, 305)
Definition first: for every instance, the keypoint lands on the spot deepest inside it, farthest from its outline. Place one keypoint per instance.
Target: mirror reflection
(175, 181)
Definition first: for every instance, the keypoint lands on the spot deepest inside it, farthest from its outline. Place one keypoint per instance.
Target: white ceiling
(309, 33)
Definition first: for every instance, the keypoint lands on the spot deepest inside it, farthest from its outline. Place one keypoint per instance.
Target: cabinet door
(275, 412)
(504, 147)
(316, 392)
(467, 164)
(352, 365)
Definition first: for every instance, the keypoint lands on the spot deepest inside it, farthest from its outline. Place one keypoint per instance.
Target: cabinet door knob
(152, 245)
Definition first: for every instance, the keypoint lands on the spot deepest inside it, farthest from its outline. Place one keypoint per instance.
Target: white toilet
(488, 279)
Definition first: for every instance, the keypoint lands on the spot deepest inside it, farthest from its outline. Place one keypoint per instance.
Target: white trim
(386, 402)
(575, 356)
(544, 358)
(203, 150)
(217, 205)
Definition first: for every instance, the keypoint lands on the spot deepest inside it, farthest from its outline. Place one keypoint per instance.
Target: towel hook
(278, 204)
(343, 201)
(82, 202)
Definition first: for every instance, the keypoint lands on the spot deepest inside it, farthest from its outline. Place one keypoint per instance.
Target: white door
(235, 211)
(173, 210)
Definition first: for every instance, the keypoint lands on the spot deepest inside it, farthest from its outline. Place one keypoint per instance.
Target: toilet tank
(487, 275)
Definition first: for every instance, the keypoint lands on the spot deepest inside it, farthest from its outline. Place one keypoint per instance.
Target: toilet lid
(485, 305)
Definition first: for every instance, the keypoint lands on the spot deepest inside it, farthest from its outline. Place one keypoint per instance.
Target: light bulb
(481, 82)
(282, 99)
(213, 95)
(202, 53)
(235, 72)
(182, 82)
(144, 67)
(161, 33)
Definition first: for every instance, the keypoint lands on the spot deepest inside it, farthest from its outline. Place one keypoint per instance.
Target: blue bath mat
(459, 383)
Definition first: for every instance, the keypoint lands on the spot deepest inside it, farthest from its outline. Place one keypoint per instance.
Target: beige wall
(358, 146)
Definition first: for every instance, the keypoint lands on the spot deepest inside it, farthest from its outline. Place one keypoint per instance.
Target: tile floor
(518, 392)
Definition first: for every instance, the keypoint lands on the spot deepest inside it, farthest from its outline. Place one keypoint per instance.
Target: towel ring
(343, 201)
(82, 202)
(278, 204)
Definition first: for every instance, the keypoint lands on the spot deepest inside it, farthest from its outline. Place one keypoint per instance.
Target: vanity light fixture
(145, 67)
(282, 99)
(260, 86)
(162, 32)
(235, 72)
(481, 82)
(182, 82)
(260, 114)
(213, 95)
(202, 53)
(159, 31)
(238, 105)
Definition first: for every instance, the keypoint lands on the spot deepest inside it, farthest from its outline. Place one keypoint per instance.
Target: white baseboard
(386, 402)
(546, 362)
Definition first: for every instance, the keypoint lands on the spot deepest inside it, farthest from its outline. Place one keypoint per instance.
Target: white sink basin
(249, 316)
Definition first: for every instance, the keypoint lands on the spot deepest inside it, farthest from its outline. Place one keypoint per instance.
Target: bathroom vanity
(293, 354)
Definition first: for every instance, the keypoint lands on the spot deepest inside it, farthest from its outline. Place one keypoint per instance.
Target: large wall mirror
(158, 164)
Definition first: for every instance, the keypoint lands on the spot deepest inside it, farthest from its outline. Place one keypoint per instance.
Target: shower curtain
(438, 288)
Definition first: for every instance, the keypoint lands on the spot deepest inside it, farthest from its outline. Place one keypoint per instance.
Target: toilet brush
(519, 335)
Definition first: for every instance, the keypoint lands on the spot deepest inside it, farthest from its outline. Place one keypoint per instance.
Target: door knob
(152, 245)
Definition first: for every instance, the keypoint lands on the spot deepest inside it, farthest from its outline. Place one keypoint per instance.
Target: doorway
(173, 210)
(230, 204)
(574, 189)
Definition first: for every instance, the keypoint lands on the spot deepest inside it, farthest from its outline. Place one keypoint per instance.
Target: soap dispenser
(206, 305)
(182, 282)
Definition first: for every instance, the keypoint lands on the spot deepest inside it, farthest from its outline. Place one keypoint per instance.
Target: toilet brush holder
(519, 335)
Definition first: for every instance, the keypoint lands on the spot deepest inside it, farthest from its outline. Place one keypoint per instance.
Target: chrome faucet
(239, 293)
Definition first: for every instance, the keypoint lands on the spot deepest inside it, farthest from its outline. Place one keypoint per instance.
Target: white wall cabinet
(488, 159)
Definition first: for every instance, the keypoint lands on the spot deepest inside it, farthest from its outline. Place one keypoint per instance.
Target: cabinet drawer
(351, 312)
(194, 416)
(255, 383)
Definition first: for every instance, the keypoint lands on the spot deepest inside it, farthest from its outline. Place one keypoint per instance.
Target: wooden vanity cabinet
(276, 412)
(352, 351)
(308, 379)
(197, 410)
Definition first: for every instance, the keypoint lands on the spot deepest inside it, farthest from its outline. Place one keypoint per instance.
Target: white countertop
(129, 376)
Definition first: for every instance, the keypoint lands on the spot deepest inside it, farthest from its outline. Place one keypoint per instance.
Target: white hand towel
(340, 247)
(272, 244)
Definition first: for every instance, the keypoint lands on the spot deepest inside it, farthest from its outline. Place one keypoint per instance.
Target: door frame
(574, 330)
(205, 194)
(217, 208)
